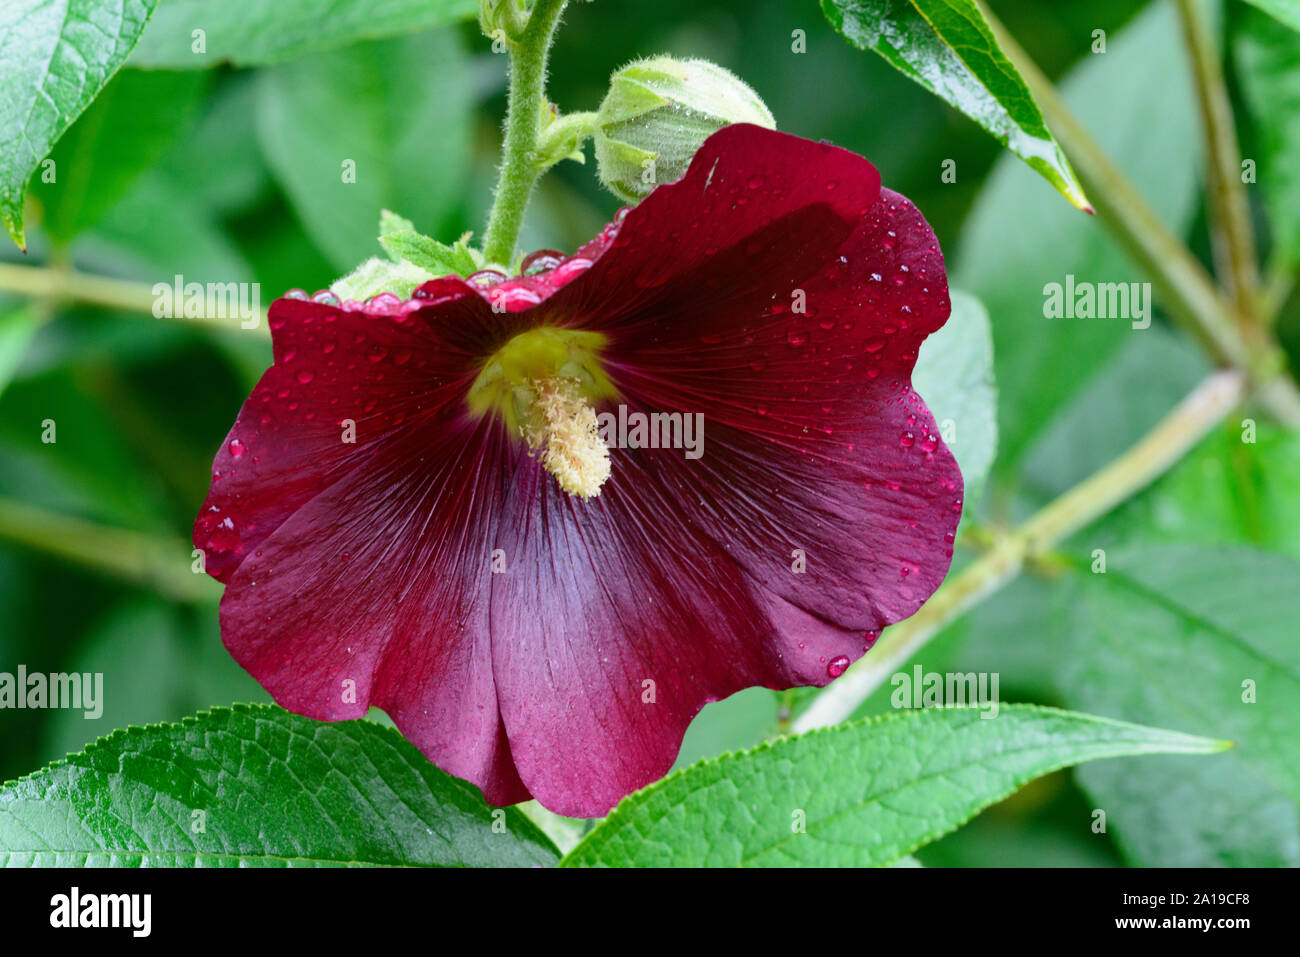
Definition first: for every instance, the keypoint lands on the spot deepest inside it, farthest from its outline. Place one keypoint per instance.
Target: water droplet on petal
(837, 666)
(224, 537)
(540, 261)
(485, 277)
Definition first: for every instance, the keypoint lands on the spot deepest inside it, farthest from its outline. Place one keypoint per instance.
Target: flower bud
(658, 112)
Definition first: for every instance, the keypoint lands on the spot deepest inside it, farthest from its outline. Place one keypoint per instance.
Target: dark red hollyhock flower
(542, 616)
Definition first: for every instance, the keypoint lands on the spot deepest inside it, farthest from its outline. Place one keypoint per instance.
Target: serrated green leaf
(860, 794)
(1019, 238)
(58, 56)
(256, 786)
(946, 47)
(954, 375)
(350, 133)
(437, 258)
(257, 32)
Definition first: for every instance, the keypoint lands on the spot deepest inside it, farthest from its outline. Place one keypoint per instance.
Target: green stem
(1276, 290)
(1232, 235)
(58, 284)
(1187, 290)
(141, 559)
(1092, 498)
(520, 164)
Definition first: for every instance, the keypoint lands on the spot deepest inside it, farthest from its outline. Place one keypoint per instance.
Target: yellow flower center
(544, 384)
(574, 451)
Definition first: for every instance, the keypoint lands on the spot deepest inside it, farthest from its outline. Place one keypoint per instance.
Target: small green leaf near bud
(656, 115)
(437, 258)
(402, 241)
(376, 275)
(390, 223)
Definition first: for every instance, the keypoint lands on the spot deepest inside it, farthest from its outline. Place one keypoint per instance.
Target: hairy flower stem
(1092, 498)
(521, 166)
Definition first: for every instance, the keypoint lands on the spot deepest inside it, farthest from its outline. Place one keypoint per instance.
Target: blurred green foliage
(233, 175)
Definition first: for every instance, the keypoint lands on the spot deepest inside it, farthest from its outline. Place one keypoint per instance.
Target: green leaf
(946, 47)
(954, 375)
(376, 126)
(865, 793)
(1152, 372)
(390, 223)
(1268, 60)
(436, 258)
(88, 471)
(217, 160)
(256, 786)
(1285, 11)
(256, 32)
(1227, 492)
(1201, 638)
(162, 230)
(160, 662)
(124, 132)
(58, 56)
(1019, 238)
(18, 325)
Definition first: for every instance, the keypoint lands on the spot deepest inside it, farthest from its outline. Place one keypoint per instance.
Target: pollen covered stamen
(574, 451)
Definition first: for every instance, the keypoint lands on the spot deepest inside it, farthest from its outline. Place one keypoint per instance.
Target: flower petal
(754, 204)
(289, 442)
(823, 508)
(813, 428)
(614, 623)
(776, 291)
(375, 593)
